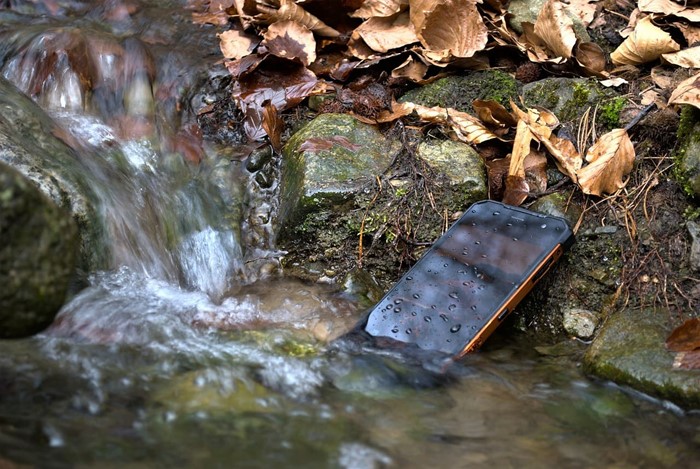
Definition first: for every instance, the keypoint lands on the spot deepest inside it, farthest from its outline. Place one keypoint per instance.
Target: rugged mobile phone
(468, 282)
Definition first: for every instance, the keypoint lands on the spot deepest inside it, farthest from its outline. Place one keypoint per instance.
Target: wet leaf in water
(315, 144)
(610, 159)
(291, 40)
(646, 44)
(686, 337)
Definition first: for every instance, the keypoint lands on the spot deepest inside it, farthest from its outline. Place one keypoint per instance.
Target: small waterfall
(116, 100)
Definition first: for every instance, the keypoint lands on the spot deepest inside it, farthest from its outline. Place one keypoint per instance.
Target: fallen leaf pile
(685, 341)
(283, 51)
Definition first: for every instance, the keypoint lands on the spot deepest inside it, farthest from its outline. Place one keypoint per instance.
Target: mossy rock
(461, 165)
(687, 157)
(37, 256)
(570, 98)
(459, 92)
(341, 155)
(630, 350)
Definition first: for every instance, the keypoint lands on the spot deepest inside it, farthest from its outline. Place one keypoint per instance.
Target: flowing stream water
(132, 373)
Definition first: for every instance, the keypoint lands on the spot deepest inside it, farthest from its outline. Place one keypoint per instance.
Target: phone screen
(466, 277)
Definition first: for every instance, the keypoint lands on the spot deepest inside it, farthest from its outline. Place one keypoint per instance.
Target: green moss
(609, 112)
(460, 92)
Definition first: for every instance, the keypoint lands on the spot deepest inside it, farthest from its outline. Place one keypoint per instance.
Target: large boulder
(37, 256)
(28, 143)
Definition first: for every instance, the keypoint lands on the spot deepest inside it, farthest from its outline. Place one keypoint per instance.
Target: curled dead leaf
(288, 10)
(687, 92)
(646, 44)
(556, 29)
(686, 58)
(383, 34)
(466, 127)
(590, 56)
(236, 44)
(452, 27)
(272, 124)
(516, 191)
(566, 157)
(610, 159)
(378, 8)
(291, 40)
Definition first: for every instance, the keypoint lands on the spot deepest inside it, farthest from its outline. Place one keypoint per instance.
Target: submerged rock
(37, 256)
(630, 350)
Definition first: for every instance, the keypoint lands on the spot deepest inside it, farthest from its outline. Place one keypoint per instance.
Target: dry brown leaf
(466, 127)
(383, 34)
(521, 148)
(691, 33)
(610, 159)
(687, 92)
(291, 40)
(556, 29)
(590, 56)
(453, 27)
(236, 44)
(288, 10)
(685, 337)
(646, 44)
(687, 360)
(566, 157)
(516, 190)
(585, 10)
(375, 8)
(493, 113)
(668, 7)
(686, 58)
(411, 69)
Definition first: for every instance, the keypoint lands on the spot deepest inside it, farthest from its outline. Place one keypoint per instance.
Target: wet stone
(694, 229)
(580, 323)
(630, 350)
(37, 256)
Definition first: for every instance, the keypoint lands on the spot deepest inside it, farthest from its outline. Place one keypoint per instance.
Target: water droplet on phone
(455, 328)
(409, 278)
(477, 242)
(397, 301)
(433, 307)
(413, 313)
(416, 295)
(515, 239)
(427, 319)
(409, 331)
(397, 310)
(395, 330)
(443, 316)
(473, 307)
(453, 295)
(543, 226)
(452, 307)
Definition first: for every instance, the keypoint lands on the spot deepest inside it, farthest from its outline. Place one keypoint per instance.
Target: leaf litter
(281, 52)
